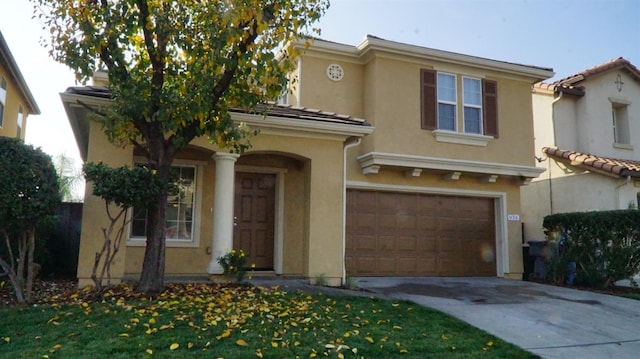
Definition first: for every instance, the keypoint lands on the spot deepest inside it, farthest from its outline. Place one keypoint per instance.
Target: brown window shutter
(428, 98)
(490, 107)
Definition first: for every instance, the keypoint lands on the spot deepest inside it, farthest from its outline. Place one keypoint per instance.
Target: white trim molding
(299, 128)
(371, 162)
(500, 208)
(462, 138)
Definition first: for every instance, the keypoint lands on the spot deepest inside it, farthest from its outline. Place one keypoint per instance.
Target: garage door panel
(395, 234)
(386, 243)
(406, 244)
(363, 242)
(426, 244)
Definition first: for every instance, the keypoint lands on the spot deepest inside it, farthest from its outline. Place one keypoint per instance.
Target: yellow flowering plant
(233, 264)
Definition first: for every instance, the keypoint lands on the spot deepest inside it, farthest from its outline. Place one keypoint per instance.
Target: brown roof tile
(270, 108)
(611, 166)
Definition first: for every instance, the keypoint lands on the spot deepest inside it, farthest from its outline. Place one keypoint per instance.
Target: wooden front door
(254, 217)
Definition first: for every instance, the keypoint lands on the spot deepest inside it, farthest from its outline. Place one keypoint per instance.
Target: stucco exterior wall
(13, 103)
(593, 112)
(389, 90)
(507, 190)
(312, 220)
(93, 211)
(582, 124)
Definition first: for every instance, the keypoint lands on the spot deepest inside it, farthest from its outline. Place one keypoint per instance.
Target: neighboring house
(587, 129)
(16, 100)
(434, 190)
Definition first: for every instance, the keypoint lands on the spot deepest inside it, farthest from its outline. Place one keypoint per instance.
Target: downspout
(348, 144)
(555, 143)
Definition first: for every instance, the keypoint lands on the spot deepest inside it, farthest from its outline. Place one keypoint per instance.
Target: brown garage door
(409, 234)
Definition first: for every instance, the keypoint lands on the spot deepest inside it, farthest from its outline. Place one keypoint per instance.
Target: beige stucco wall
(504, 189)
(390, 98)
(312, 206)
(94, 213)
(389, 90)
(13, 103)
(594, 115)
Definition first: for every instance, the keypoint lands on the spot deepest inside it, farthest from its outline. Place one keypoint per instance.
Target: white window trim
(616, 105)
(197, 215)
(3, 99)
(464, 104)
(454, 103)
(20, 121)
(462, 138)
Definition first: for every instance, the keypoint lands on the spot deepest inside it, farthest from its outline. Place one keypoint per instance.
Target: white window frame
(197, 210)
(465, 104)
(3, 99)
(620, 117)
(19, 122)
(454, 102)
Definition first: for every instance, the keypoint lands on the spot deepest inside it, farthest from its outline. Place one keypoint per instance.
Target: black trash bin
(537, 251)
(528, 263)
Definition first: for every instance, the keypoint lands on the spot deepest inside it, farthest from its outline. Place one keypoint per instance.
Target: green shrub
(605, 246)
(233, 263)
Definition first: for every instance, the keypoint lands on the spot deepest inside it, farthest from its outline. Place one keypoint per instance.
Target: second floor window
(472, 99)
(440, 107)
(3, 99)
(447, 109)
(19, 122)
(620, 116)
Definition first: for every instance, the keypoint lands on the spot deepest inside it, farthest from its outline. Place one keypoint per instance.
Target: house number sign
(513, 217)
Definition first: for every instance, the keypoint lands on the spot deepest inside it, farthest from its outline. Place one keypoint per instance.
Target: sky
(568, 36)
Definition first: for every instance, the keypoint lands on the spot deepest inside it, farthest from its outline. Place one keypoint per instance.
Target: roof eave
(14, 71)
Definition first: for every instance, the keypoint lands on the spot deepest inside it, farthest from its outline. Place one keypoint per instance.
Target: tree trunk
(152, 277)
(31, 247)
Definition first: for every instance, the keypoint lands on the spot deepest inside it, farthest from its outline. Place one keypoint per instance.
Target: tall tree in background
(175, 68)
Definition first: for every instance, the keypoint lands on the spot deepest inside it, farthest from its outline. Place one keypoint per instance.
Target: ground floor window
(180, 207)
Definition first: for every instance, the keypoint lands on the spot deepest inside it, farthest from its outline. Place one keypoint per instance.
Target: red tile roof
(614, 64)
(610, 166)
(569, 85)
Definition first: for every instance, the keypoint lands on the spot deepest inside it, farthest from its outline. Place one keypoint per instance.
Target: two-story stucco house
(16, 100)
(587, 133)
(420, 177)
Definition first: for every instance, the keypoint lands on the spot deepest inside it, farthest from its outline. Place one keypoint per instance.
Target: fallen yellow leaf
(149, 351)
(241, 343)
(403, 351)
(174, 346)
(152, 321)
(123, 334)
(6, 339)
(369, 339)
(489, 343)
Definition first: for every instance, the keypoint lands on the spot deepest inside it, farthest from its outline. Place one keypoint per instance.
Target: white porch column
(222, 209)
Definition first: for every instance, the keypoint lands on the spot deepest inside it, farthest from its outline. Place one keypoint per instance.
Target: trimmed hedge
(605, 246)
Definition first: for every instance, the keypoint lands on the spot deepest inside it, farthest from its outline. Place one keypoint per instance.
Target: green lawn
(208, 321)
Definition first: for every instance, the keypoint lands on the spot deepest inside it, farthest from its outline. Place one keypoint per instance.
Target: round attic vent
(335, 72)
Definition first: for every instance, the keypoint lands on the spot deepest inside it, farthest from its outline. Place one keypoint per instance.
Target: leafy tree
(29, 195)
(175, 68)
(125, 188)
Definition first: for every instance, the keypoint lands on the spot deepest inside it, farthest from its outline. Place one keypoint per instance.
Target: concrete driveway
(550, 321)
